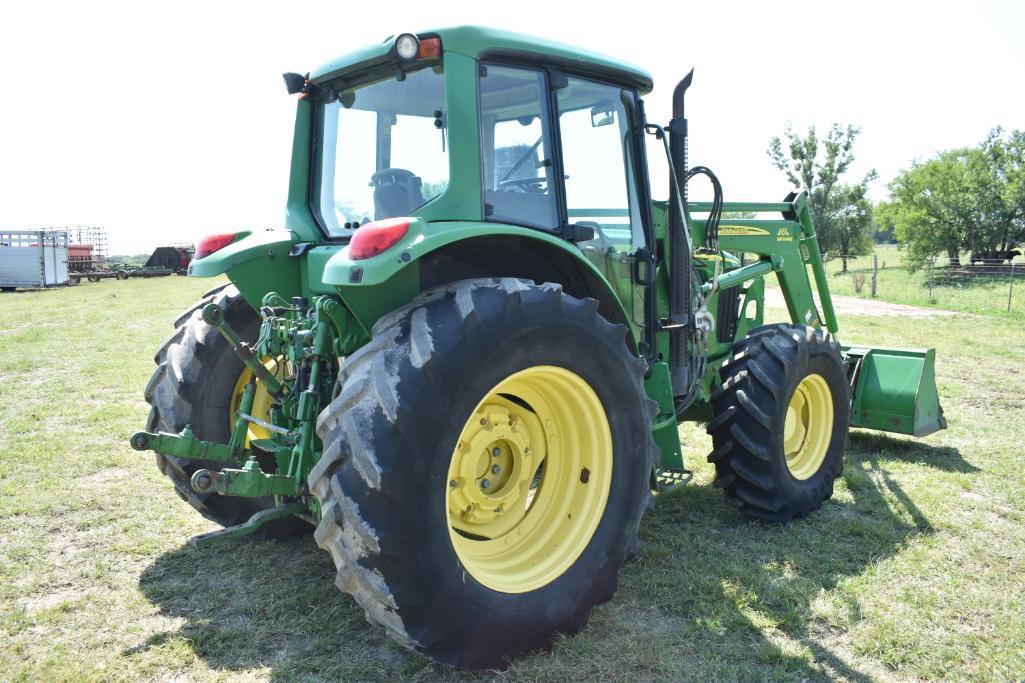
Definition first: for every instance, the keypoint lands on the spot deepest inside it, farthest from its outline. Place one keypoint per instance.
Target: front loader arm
(892, 390)
(786, 247)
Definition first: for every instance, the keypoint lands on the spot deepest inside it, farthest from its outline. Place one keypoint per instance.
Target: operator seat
(397, 192)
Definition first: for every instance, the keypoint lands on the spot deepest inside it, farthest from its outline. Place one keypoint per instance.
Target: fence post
(875, 272)
(1010, 289)
(932, 265)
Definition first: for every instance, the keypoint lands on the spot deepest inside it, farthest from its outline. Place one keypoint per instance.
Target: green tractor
(464, 358)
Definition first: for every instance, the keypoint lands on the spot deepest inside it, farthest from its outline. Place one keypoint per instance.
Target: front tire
(416, 531)
(780, 422)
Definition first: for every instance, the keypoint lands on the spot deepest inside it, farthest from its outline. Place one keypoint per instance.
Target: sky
(163, 122)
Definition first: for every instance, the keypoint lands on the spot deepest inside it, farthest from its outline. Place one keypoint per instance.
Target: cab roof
(478, 42)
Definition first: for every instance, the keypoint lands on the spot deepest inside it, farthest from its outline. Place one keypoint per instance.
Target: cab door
(600, 183)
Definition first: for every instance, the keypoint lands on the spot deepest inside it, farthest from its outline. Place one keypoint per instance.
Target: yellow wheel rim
(262, 401)
(529, 479)
(808, 426)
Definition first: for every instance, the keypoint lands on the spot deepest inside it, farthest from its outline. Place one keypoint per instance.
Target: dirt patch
(851, 305)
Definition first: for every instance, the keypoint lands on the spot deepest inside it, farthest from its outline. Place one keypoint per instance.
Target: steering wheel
(532, 185)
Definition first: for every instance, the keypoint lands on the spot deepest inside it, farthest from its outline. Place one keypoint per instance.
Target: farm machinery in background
(167, 260)
(34, 258)
(88, 259)
(464, 358)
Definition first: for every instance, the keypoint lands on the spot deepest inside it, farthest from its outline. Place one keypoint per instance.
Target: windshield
(384, 152)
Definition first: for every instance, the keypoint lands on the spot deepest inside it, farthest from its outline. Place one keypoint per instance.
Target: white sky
(165, 121)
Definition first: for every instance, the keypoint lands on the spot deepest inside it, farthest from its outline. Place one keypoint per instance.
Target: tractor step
(669, 479)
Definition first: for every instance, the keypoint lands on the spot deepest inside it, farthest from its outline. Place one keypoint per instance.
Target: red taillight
(212, 243)
(430, 48)
(373, 238)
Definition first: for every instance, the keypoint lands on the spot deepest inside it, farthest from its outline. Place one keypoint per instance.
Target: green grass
(984, 295)
(914, 570)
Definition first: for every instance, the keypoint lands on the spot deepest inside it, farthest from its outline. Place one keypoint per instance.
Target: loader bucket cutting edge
(894, 390)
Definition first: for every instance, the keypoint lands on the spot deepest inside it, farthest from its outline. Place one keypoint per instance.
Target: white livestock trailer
(33, 258)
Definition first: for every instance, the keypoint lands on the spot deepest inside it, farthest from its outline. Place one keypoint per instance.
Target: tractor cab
(486, 127)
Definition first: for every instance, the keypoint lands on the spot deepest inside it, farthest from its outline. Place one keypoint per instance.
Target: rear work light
(409, 47)
(212, 243)
(379, 236)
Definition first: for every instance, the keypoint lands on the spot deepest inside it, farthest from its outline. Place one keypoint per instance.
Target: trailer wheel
(197, 382)
(780, 422)
(486, 465)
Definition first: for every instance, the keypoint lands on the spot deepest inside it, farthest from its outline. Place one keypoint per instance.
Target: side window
(600, 180)
(594, 123)
(518, 181)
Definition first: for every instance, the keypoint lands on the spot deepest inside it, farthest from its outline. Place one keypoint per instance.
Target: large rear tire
(780, 422)
(486, 465)
(196, 383)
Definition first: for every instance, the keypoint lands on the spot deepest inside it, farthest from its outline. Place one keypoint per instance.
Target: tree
(933, 206)
(969, 199)
(1005, 197)
(817, 166)
(851, 219)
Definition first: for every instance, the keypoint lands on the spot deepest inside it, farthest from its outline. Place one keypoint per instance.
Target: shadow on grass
(712, 596)
(757, 601)
(273, 604)
(910, 451)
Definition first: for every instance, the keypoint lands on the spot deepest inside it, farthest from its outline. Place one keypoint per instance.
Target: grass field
(983, 295)
(914, 570)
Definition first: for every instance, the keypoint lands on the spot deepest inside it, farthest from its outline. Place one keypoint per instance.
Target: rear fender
(256, 263)
(431, 254)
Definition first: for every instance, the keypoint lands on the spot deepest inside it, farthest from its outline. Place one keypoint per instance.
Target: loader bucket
(894, 390)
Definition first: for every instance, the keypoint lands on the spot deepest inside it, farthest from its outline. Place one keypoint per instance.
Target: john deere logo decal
(742, 231)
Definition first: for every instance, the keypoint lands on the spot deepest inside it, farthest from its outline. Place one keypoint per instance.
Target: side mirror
(602, 115)
(294, 83)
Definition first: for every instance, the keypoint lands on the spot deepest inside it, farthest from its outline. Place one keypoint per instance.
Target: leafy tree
(969, 199)
(817, 166)
(1005, 196)
(933, 206)
(851, 219)
(884, 231)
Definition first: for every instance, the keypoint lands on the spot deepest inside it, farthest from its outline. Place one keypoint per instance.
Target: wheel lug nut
(498, 509)
(495, 452)
(453, 484)
(495, 469)
(484, 483)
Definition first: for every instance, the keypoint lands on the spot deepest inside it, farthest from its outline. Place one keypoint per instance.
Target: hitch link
(214, 315)
(250, 481)
(184, 445)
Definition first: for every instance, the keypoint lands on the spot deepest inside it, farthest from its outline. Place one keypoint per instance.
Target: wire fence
(991, 283)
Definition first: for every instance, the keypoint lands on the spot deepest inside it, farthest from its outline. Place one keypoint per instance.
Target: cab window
(517, 155)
